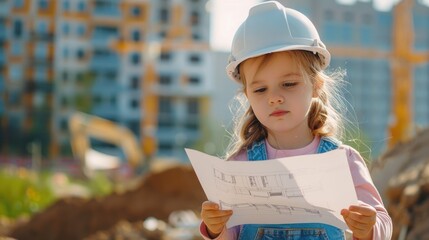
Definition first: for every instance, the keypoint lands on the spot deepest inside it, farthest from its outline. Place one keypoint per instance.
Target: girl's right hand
(214, 218)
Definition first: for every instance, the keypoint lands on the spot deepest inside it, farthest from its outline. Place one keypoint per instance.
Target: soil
(158, 195)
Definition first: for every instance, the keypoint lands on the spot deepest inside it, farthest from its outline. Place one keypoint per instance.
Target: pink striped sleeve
(367, 193)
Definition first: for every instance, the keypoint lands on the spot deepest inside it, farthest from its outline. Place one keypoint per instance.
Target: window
(367, 19)
(66, 53)
(195, 18)
(64, 124)
(65, 28)
(194, 80)
(135, 82)
(135, 35)
(165, 105)
(80, 54)
(194, 58)
(15, 98)
(66, 5)
(134, 126)
(18, 28)
(135, 58)
(165, 79)
(64, 102)
(196, 36)
(41, 50)
(162, 34)
(18, 3)
(193, 106)
(81, 30)
(79, 77)
(348, 17)
(40, 75)
(65, 76)
(134, 103)
(112, 100)
(16, 73)
(97, 99)
(42, 27)
(163, 15)
(165, 56)
(111, 75)
(81, 6)
(135, 11)
(329, 15)
(17, 48)
(43, 4)
(165, 146)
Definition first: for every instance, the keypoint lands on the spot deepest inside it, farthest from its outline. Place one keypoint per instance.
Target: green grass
(24, 192)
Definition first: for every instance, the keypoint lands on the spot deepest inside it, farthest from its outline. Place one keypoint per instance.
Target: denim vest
(294, 231)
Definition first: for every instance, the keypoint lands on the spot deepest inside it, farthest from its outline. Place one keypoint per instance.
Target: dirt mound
(402, 175)
(157, 196)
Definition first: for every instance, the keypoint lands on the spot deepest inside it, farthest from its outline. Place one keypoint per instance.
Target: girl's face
(279, 94)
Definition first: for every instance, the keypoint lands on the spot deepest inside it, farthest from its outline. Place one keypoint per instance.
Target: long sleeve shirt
(365, 189)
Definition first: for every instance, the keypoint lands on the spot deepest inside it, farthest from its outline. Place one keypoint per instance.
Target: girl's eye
(259, 90)
(289, 84)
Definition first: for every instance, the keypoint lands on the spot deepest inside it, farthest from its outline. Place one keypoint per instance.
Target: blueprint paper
(301, 189)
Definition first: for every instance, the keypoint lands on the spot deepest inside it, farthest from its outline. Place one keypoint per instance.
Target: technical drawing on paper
(264, 186)
(254, 208)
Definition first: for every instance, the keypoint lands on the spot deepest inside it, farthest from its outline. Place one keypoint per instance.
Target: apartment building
(360, 40)
(27, 47)
(142, 64)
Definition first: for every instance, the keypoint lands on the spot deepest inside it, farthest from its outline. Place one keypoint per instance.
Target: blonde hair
(324, 116)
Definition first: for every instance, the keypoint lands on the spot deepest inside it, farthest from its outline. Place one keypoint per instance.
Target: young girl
(279, 59)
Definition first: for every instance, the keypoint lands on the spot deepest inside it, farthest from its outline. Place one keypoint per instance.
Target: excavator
(83, 127)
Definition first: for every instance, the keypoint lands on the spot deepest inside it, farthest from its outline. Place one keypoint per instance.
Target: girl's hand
(360, 219)
(214, 218)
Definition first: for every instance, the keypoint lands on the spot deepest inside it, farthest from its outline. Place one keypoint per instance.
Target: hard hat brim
(232, 71)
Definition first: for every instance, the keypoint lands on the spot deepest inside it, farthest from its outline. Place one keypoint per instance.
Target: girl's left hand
(360, 219)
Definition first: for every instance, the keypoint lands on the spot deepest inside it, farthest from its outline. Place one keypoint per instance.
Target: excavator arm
(83, 126)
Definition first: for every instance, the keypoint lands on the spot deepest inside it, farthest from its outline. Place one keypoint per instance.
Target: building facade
(142, 64)
(27, 35)
(360, 40)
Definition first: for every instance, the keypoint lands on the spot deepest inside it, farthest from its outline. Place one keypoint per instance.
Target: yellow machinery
(83, 127)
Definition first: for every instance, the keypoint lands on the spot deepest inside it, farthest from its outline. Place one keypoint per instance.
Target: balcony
(103, 36)
(103, 62)
(106, 8)
(42, 36)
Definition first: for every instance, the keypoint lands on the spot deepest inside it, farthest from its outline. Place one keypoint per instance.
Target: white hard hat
(271, 27)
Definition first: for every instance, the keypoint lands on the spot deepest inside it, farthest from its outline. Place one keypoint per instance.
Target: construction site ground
(165, 203)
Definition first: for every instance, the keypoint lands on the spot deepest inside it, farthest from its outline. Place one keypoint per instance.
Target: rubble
(404, 171)
(158, 195)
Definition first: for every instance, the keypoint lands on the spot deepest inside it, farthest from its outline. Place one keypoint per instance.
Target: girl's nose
(276, 98)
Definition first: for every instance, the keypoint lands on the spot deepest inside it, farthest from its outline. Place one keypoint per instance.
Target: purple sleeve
(367, 193)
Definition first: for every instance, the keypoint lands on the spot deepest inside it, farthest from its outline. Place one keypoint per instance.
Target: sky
(228, 14)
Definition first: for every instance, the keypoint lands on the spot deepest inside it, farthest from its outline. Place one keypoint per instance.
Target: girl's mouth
(278, 113)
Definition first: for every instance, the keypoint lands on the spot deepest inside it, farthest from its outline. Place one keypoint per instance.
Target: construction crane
(403, 60)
